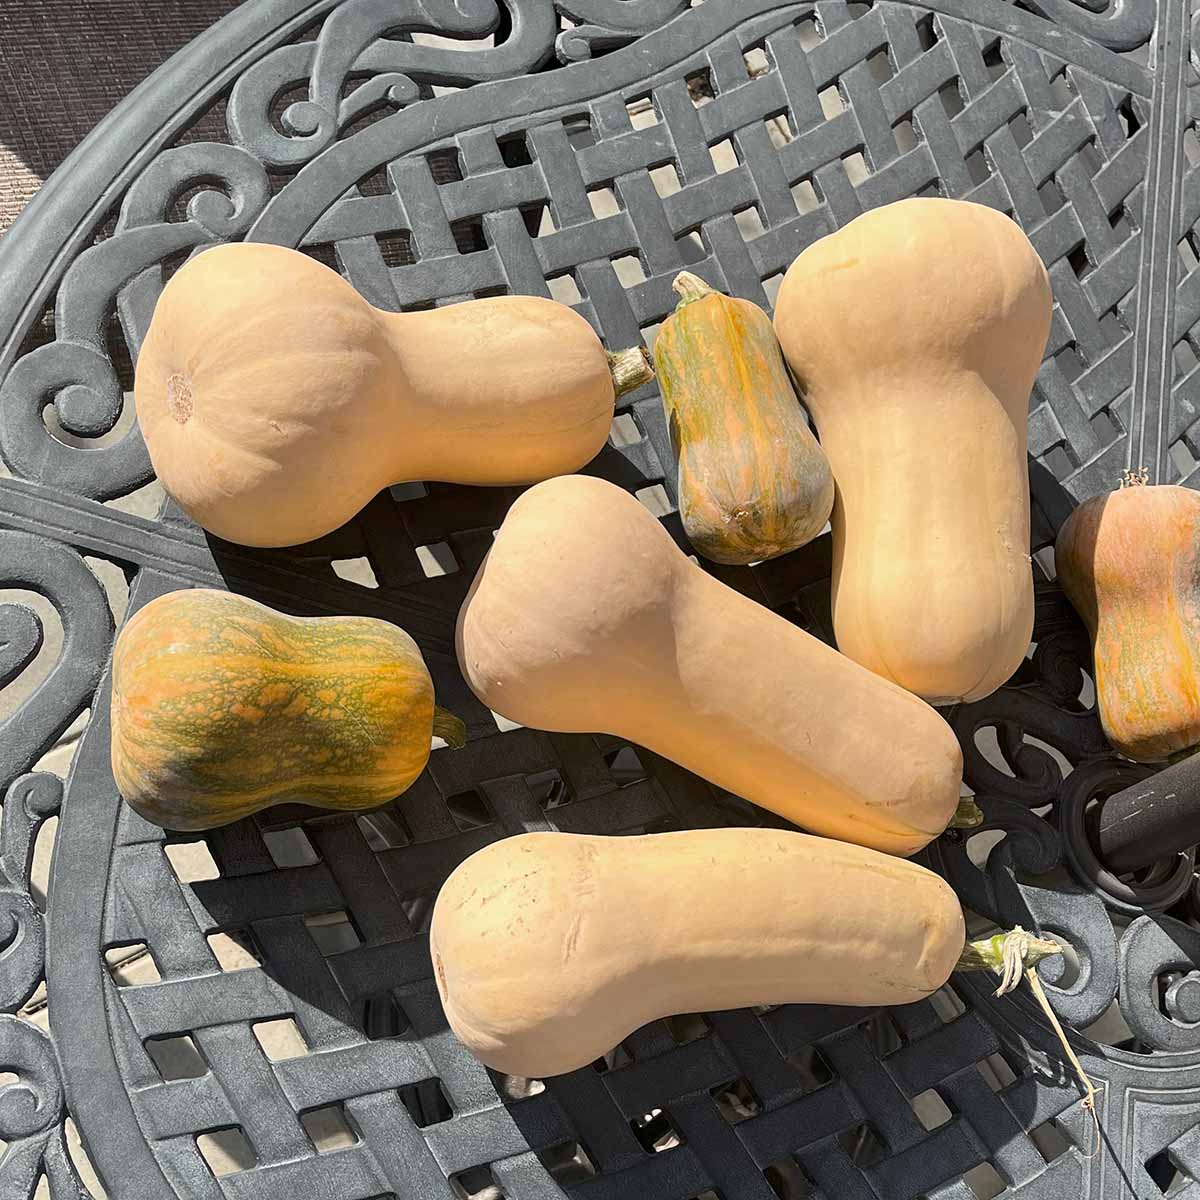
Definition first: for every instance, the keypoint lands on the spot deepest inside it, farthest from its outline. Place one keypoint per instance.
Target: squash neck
(931, 402)
(480, 404)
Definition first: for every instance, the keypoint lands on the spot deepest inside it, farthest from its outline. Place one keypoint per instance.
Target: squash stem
(968, 815)
(1138, 478)
(449, 728)
(1010, 953)
(1015, 955)
(630, 368)
(691, 287)
(1089, 1088)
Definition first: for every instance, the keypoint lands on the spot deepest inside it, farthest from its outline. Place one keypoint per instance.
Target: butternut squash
(753, 482)
(550, 948)
(222, 706)
(915, 333)
(585, 617)
(1129, 561)
(276, 402)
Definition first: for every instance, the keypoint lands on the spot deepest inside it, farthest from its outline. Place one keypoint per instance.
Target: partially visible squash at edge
(1129, 561)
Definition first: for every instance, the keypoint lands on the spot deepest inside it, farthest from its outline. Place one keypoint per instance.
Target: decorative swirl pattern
(353, 41)
(608, 23)
(74, 373)
(1014, 712)
(1028, 841)
(29, 801)
(34, 1101)
(1118, 24)
(31, 1115)
(215, 214)
(58, 573)
(21, 637)
(22, 948)
(1153, 948)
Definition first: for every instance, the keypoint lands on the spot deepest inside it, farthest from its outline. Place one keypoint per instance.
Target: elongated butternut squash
(222, 706)
(915, 333)
(753, 482)
(276, 402)
(585, 616)
(550, 948)
(1129, 561)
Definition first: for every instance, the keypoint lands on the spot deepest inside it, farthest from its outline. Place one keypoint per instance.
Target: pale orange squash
(550, 948)
(276, 402)
(586, 617)
(915, 333)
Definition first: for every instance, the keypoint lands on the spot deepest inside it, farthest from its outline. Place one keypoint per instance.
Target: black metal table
(592, 148)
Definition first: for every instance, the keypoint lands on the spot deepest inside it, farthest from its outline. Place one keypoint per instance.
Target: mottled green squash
(222, 706)
(753, 481)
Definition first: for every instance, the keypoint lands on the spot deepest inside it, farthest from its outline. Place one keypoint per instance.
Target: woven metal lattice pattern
(799, 131)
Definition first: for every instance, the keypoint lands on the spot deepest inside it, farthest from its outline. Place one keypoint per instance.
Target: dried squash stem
(629, 368)
(968, 815)
(449, 728)
(1017, 953)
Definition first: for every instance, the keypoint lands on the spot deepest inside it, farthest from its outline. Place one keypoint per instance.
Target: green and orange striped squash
(222, 706)
(1129, 561)
(753, 481)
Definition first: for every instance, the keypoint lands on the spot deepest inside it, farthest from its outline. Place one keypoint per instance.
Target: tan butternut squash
(915, 333)
(550, 948)
(276, 402)
(753, 482)
(585, 616)
(1129, 561)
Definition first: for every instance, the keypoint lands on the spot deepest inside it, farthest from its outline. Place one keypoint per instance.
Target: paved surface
(65, 63)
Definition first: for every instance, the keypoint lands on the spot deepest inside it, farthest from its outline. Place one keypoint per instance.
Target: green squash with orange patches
(222, 706)
(753, 481)
(1129, 561)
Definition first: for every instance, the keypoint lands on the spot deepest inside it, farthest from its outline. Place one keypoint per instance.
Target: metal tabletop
(589, 149)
